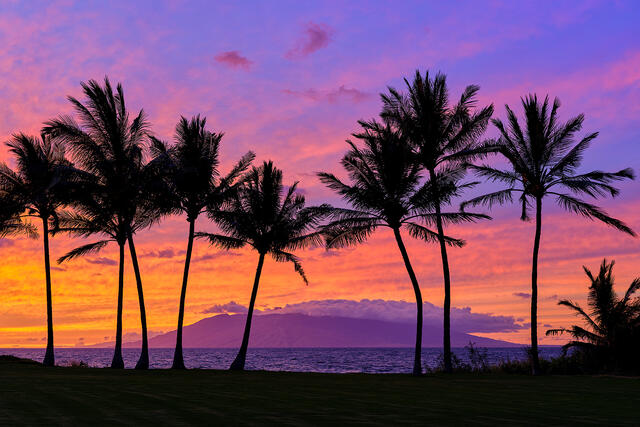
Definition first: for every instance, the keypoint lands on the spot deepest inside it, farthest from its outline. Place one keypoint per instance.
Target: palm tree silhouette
(611, 324)
(124, 194)
(259, 216)
(194, 183)
(43, 183)
(544, 159)
(445, 137)
(386, 191)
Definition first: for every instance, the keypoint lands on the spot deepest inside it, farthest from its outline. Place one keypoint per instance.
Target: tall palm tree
(109, 145)
(543, 158)
(386, 191)
(194, 183)
(92, 216)
(259, 216)
(445, 137)
(611, 323)
(43, 183)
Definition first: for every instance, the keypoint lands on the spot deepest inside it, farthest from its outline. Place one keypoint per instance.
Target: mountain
(301, 330)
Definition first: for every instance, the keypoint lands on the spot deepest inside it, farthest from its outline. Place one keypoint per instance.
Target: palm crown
(441, 134)
(191, 166)
(611, 321)
(259, 216)
(386, 190)
(44, 181)
(544, 158)
(109, 146)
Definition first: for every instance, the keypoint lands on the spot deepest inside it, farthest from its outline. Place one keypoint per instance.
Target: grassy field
(31, 394)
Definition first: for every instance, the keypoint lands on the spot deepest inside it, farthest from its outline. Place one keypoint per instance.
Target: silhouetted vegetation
(272, 221)
(610, 342)
(544, 158)
(403, 170)
(386, 191)
(43, 183)
(445, 139)
(123, 193)
(194, 183)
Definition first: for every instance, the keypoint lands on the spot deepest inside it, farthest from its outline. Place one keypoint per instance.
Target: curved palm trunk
(178, 361)
(117, 362)
(535, 361)
(143, 361)
(49, 358)
(446, 335)
(417, 361)
(238, 362)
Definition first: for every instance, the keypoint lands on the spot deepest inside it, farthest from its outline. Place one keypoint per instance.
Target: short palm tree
(259, 216)
(43, 183)
(194, 182)
(445, 137)
(108, 145)
(611, 335)
(544, 158)
(386, 191)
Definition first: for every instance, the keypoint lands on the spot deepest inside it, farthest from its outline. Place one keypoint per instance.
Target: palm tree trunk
(446, 335)
(417, 361)
(117, 362)
(143, 361)
(238, 363)
(178, 361)
(535, 362)
(49, 358)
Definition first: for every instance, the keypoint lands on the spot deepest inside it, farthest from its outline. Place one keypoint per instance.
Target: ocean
(329, 360)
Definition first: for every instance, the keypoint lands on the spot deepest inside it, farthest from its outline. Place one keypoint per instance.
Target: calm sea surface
(337, 360)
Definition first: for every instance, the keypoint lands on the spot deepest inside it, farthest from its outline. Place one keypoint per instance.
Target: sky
(289, 80)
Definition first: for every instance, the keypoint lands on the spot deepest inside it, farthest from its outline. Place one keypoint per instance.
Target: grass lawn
(31, 394)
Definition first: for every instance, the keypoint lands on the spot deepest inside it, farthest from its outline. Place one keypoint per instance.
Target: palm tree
(195, 183)
(386, 191)
(611, 323)
(544, 159)
(444, 137)
(259, 216)
(109, 145)
(43, 183)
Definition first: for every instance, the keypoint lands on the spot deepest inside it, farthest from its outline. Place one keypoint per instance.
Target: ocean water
(330, 360)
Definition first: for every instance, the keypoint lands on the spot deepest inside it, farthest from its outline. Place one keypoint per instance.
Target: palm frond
(282, 256)
(84, 250)
(591, 211)
(221, 241)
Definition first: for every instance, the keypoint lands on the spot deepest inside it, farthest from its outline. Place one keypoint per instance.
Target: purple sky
(289, 80)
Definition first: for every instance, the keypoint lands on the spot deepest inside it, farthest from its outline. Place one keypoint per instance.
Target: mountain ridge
(294, 330)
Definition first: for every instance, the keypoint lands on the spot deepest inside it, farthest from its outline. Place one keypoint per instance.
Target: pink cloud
(314, 37)
(233, 59)
(333, 96)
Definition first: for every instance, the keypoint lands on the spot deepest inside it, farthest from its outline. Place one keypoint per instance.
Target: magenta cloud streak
(314, 37)
(233, 59)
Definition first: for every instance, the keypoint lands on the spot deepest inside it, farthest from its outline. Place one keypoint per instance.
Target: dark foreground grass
(31, 394)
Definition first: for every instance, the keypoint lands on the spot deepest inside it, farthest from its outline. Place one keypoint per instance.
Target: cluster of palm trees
(102, 174)
(611, 339)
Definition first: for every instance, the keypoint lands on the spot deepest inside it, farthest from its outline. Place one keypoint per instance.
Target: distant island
(301, 330)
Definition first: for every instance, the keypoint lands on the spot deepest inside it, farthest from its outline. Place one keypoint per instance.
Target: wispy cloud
(314, 37)
(527, 295)
(233, 59)
(163, 253)
(231, 307)
(101, 261)
(340, 94)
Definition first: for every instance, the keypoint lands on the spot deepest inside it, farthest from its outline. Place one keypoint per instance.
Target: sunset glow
(290, 85)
